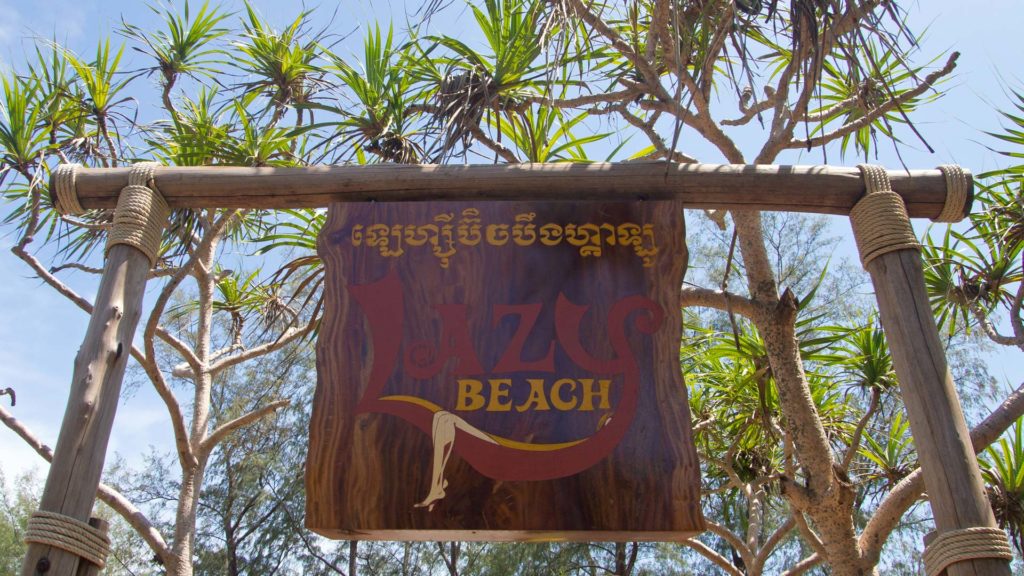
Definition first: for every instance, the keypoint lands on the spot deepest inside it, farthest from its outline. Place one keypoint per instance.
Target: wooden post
(952, 478)
(95, 389)
(99, 367)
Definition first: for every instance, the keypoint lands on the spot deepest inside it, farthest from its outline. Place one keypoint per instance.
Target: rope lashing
(966, 544)
(880, 221)
(66, 533)
(958, 189)
(66, 195)
(141, 213)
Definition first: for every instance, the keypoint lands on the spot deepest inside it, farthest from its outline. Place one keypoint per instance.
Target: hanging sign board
(502, 371)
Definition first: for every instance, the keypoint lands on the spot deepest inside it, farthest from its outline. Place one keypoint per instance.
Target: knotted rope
(141, 213)
(966, 544)
(66, 195)
(958, 189)
(880, 221)
(66, 533)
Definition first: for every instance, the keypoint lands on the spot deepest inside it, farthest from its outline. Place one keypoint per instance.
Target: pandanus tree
(806, 461)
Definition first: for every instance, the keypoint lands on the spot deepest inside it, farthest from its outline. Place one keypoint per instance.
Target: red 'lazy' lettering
(424, 360)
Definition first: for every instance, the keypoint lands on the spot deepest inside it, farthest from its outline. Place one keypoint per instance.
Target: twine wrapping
(880, 221)
(66, 194)
(958, 189)
(966, 544)
(66, 533)
(141, 213)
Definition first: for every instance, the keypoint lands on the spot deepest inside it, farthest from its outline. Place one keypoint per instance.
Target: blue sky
(40, 332)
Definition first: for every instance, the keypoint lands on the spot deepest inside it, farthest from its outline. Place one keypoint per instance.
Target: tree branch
(733, 540)
(626, 95)
(499, 149)
(108, 495)
(875, 113)
(286, 338)
(75, 266)
(751, 112)
(717, 299)
(230, 426)
(773, 540)
(907, 491)
(713, 556)
(804, 565)
(851, 451)
(990, 330)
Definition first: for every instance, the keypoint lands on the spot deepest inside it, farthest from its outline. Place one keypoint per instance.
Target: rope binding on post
(140, 214)
(77, 537)
(65, 194)
(880, 221)
(958, 191)
(966, 544)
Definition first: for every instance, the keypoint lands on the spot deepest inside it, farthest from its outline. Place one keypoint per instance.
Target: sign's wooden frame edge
(510, 535)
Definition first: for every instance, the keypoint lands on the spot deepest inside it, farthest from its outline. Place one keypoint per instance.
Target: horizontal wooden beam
(815, 189)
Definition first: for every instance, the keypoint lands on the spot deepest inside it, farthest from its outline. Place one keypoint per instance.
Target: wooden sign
(502, 371)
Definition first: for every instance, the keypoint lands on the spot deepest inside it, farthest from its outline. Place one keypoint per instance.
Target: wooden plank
(814, 189)
(955, 488)
(436, 343)
(92, 401)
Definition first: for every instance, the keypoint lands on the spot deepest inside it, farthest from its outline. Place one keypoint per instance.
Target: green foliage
(185, 46)
(543, 84)
(381, 123)
(18, 499)
(1013, 135)
(1003, 470)
(891, 452)
(858, 81)
(281, 62)
(97, 78)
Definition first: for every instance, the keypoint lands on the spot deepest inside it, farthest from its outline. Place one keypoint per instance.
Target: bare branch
(156, 377)
(51, 280)
(717, 299)
(626, 95)
(506, 154)
(751, 112)
(111, 497)
(286, 338)
(598, 24)
(94, 226)
(75, 266)
(230, 426)
(990, 330)
(648, 129)
(808, 535)
(733, 540)
(851, 451)
(773, 540)
(804, 565)
(713, 556)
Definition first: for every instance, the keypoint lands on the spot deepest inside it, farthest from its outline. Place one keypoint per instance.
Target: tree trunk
(353, 547)
(185, 521)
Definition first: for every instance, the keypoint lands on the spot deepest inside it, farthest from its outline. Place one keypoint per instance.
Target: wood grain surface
(813, 189)
(546, 365)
